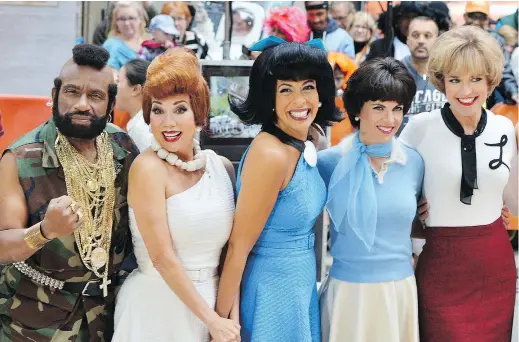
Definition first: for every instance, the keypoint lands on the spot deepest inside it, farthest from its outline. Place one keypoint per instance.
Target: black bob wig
(287, 62)
(379, 79)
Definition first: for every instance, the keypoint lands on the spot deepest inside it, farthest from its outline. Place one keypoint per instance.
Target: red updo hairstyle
(174, 72)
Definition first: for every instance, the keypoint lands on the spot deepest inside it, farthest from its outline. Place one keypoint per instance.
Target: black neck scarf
(285, 138)
(469, 176)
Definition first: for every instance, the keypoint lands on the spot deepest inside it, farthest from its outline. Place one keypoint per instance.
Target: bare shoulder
(8, 172)
(271, 151)
(147, 166)
(8, 162)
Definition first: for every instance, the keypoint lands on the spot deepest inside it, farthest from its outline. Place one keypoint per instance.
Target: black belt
(88, 288)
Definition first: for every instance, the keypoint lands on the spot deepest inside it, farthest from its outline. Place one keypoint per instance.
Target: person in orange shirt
(343, 66)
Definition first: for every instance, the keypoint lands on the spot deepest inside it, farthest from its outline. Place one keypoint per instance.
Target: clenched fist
(62, 218)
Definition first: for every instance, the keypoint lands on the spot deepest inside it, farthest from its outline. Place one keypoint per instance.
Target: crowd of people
(138, 234)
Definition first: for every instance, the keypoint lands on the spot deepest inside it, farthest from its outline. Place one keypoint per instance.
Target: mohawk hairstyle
(90, 55)
(95, 57)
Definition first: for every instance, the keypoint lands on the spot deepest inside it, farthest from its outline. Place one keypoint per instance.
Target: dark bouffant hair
(288, 62)
(177, 71)
(379, 79)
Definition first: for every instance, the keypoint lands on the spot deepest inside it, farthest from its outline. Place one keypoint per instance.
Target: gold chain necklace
(92, 186)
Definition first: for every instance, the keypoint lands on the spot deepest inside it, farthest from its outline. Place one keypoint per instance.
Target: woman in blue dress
(280, 195)
(374, 183)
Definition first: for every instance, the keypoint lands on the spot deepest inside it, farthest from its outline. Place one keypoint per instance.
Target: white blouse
(441, 151)
(139, 131)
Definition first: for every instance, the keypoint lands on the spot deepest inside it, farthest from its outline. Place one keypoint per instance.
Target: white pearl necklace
(197, 163)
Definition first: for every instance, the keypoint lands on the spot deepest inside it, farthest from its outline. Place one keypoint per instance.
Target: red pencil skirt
(466, 279)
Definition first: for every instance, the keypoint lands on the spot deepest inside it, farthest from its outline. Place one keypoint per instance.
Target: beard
(67, 128)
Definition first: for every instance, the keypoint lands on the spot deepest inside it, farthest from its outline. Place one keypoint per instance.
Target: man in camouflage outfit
(36, 209)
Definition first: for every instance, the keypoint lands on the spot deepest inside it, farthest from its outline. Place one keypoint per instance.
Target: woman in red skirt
(466, 273)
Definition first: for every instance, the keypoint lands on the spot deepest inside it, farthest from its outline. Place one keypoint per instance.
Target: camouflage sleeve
(129, 263)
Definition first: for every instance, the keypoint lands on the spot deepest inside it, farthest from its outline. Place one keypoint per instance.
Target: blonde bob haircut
(466, 49)
(114, 31)
(177, 72)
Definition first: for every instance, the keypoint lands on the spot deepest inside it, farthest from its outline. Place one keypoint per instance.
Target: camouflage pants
(75, 330)
(28, 314)
(79, 327)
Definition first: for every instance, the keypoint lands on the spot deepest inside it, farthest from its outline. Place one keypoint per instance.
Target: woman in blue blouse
(374, 183)
(126, 34)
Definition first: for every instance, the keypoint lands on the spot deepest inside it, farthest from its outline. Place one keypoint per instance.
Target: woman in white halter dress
(181, 216)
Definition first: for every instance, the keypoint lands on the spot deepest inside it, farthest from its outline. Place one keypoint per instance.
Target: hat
(477, 6)
(164, 23)
(321, 5)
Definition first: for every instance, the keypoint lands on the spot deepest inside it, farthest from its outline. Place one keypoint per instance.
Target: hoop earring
(110, 118)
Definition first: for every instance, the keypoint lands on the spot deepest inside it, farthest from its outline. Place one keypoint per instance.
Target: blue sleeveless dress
(279, 299)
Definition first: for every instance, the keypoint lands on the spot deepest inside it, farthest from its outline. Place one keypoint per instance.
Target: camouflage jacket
(32, 312)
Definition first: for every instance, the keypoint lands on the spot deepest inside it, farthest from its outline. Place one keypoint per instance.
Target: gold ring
(79, 215)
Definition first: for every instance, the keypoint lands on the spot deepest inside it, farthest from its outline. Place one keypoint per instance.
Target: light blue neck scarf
(352, 202)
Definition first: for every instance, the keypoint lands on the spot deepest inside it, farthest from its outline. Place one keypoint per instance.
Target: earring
(110, 118)
(319, 105)
(49, 103)
(273, 109)
(357, 118)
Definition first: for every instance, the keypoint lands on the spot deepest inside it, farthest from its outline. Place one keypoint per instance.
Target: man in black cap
(335, 38)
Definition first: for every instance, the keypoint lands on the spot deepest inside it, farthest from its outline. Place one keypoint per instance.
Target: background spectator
(423, 32)
(242, 23)
(343, 67)
(394, 45)
(515, 64)
(340, 11)
(361, 26)
(183, 18)
(476, 13)
(130, 81)
(103, 28)
(126, 34)
(335, 38)
(287, 23)
(164, 34)
(509, 34)
(402, 16)
(509, 20)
